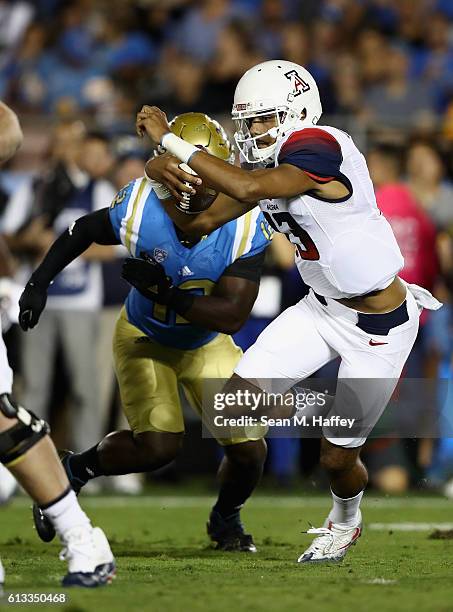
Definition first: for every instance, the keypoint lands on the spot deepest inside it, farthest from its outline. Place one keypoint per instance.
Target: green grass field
(165, 562)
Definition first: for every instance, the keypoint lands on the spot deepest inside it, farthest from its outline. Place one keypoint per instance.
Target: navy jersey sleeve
(314, 151)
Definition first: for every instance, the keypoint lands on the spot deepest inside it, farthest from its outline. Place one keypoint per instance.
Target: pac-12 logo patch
(160, 255)
(299, 85)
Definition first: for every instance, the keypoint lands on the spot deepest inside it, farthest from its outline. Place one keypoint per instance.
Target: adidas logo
(186, 271)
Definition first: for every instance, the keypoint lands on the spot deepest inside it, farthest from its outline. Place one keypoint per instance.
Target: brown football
(200, 201)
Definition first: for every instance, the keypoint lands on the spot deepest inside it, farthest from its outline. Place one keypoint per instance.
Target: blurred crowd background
(77, 71)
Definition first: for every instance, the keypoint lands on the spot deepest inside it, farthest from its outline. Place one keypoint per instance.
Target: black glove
(32, 302)
(148, 276)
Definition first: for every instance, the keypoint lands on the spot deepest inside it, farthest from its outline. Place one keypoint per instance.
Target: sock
(230, 501)
(238, 479)
(65, 513)
(86, 466)
(345, 511)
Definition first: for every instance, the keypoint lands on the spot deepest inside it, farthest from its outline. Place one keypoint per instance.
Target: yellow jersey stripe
(242, 244)
(265, 232)
(130, 221)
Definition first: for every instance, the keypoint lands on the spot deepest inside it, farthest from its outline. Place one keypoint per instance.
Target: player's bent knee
(158, 448)
(237, 383)
(249, 453)
(338, 459)
(241, 389)
(26, 432)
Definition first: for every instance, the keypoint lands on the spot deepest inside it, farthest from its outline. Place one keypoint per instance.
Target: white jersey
(344, 248)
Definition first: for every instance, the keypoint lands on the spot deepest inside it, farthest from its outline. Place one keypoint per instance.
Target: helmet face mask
(248, 143)
(276, 88)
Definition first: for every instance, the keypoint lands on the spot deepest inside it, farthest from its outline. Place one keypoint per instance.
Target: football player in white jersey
(29, 454)
(313, 184)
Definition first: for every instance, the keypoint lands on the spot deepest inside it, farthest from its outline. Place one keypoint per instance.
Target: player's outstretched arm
(223, 209)
(246, 186)
(165, 170)
(93, 228)
(250, 186)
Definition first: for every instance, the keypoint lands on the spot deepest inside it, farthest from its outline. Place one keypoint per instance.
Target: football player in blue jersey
(174, 330)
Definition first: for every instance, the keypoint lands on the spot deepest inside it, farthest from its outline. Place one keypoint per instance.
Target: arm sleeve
(249, 268)
(95, 227)
(314, 151)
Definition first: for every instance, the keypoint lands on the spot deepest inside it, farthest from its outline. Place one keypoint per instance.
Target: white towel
(423, 297)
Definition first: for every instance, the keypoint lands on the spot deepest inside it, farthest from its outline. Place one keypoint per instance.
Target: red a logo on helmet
(299, 85)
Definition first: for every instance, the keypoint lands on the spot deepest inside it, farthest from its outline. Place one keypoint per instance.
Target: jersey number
(305, 246)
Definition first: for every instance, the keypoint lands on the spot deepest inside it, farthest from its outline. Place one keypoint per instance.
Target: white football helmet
(276, 87)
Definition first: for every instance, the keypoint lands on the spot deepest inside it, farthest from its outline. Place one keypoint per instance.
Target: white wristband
(178, 147)
(162, 192)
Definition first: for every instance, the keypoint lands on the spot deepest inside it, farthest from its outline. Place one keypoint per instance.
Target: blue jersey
(142, 225)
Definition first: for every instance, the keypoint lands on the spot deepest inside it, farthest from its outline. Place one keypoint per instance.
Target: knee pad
(22, 436)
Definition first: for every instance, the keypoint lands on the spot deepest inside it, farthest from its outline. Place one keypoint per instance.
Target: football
(200, 201)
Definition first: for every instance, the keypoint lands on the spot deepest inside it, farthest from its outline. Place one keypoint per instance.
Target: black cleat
(43, 526)
(103, 574)
(229, 533)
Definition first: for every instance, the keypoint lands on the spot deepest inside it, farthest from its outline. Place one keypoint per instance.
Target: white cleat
(90, 560)
(332, 543)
